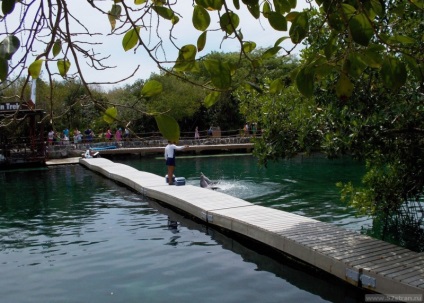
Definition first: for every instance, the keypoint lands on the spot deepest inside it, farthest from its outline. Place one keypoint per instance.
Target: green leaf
(323, 70)
(254, 10)
(376, 47)
(138, 2)
(331, 46)
(158, 2)
(344, 87)
(188, 52)
(361, 29)
(257, 62)
(250, 2)
(271, 52)
(186, 60)
(355, 65)
(8, 6)
(4, 69)
(175, 19)
(130, 39)
(291, 16)
(418, 3)
(110, 115)
(377, 7)
(401, 39)
(229, 22)
(349, 10)
(164, 12)
(305, 81)
(201, 18)
(266, 9)
(276, 86)
(299, 28)
(282, 6)
(57, 47)
(372, 57)
(236, 4)
(277, 21)
(292, 3)
(168, 127)
(250, 86)
(416, 68)
(220, 73)
(201, 41)
(34, 69)
(211, 99)
(63, 67)
(210, 5)
(151, 88)
(115, 12)
(9, 46)
(393, 73)
(249, 46)
(335, 21)
(114, 15)
(277, 43)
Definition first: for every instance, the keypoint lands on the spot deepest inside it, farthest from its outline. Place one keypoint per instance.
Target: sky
(110, 46)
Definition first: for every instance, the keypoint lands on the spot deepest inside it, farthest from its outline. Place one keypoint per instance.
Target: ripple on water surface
(104, 243)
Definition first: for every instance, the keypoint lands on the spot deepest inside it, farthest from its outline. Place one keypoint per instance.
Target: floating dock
(357, 259)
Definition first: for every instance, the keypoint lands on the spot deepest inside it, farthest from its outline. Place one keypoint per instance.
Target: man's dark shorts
(170, 161)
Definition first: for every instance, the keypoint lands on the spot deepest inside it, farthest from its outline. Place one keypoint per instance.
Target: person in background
(170, 159)
(88, 135)
(65, 140)
(66, 134)
(57, 140)
(196, 133)
(126, 133)
(118, 135)
(50, 137)
(79, 135)
(246, 129)
(76, 135)
(108, 134)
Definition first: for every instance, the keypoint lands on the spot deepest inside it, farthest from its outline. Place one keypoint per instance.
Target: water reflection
(265, 259)
(70, 235)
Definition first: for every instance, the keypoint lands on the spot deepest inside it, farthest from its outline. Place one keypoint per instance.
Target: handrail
(149, 136)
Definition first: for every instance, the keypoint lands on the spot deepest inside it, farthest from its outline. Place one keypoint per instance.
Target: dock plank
(390, 268)
(391, 263)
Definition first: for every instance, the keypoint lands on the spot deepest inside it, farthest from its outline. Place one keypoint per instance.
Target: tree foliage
(345, 37)
(367, 101)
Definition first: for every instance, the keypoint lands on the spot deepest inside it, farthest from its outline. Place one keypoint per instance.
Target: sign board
(9, 106)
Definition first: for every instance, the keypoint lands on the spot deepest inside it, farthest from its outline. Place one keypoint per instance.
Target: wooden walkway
(357, 259)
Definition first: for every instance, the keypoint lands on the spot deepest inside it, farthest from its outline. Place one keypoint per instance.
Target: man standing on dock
(170, 159)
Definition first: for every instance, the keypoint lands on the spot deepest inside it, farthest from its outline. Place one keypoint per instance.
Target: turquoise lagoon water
(304, 185)
(70, 235)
